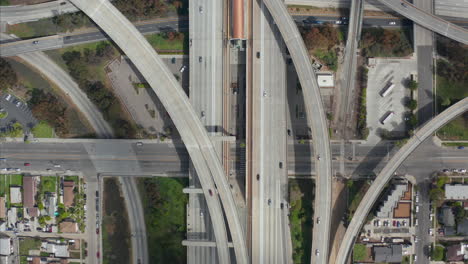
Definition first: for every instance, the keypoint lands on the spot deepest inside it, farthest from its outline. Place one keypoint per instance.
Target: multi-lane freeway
(270, 243)
(388, 171)
(26, 13)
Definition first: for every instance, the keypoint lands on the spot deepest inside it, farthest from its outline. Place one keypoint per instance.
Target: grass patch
(40, 28)
(165, 42)
(455, 144)
(329, 58)
(359, 252)
(43, 130)
(72, 178)
(28, 243)
(438, 253)
(3, 114)
(164, 205)
(457, 129)
(4, 2)
(115, 231)
(7, 180)
(48, 184)
(356, 191)
(301, 196)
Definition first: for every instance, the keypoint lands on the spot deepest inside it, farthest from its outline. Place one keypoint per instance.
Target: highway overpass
(428, 20)
(316, 118)
(192, 132)
(27, 13)
(388, 171)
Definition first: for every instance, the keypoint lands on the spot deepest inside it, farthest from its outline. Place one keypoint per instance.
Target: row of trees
(139, 9)
(46, 106)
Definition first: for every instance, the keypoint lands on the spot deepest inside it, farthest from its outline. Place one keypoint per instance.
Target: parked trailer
(388, 89)
(387, 117)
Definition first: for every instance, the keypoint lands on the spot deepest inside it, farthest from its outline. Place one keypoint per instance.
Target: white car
(338, 22)
(317, 252)
(8, 97)
(18, 169)
(182, 69)
(392, 23)
(18, 104)
(57, 166)
(430, 232)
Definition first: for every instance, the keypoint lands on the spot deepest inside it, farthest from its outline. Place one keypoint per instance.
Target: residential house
(2, 207)
(446, 216)
(68, 227)
(386, 210)
(5, 246)
(29, 191)
(59, 251)
(388, 254)
(15, 195)
(33, 212)
(457, 252)
(456, 192)
(462, 227)
(69, 195)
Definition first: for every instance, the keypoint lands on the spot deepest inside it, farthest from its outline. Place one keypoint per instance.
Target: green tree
(412, 85)
(412, 104)
(437, 195)
(438, 253)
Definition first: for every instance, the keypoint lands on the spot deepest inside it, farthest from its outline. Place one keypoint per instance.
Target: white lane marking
(262, 140)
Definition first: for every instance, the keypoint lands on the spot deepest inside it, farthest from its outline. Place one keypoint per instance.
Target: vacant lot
(115, 232)
(379, 42)
(28, 243)
(7, 180)
(48, 184)
(301, 196)
(165, 204)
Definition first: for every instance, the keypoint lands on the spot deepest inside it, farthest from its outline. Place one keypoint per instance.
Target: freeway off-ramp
(199, 146)
(385, 175)
(316, 118)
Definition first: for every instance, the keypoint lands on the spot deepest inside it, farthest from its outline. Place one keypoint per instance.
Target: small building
(457, 252)
(35, 260)
(15, 195)
(446, 216)
(69, 195)
(456, 192)
(29, 191)
(51, 204)
(2, 207)
(59, 251)
(325, 80)
(5, 246)
(462, 227)
(68, 227)
(12, 216)
(388, 254)
(386, 210)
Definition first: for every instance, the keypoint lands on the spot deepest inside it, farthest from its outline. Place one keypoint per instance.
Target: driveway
(20, 114)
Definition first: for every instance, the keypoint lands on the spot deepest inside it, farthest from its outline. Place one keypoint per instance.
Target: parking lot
(382, 73)
(18, 111)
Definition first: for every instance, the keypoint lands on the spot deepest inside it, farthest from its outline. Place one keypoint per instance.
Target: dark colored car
(258, 177)
(97, 231)
(211, 192)
(27, 164)
(460, 147)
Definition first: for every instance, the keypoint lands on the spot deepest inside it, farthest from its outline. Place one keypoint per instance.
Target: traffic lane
(424, 223)
(425, 88)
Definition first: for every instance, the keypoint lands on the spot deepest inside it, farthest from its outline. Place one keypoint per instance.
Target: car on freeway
(210, 192)
(338, 22)
(3, 159)
(200, 9)
(35, 42)
(269, 201)
(97, 254)
(317, 252)
(392, 23)
(97, 231)
(258, 177)
(202, 113)
(318, 157)
(201, 213)
(200, 59)
(57, 166)
(460, 147)
(27, 164)
(318, 220)
(281, 205)
(182, 69)
(139, 144)
(63, 3)
(281, 165)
